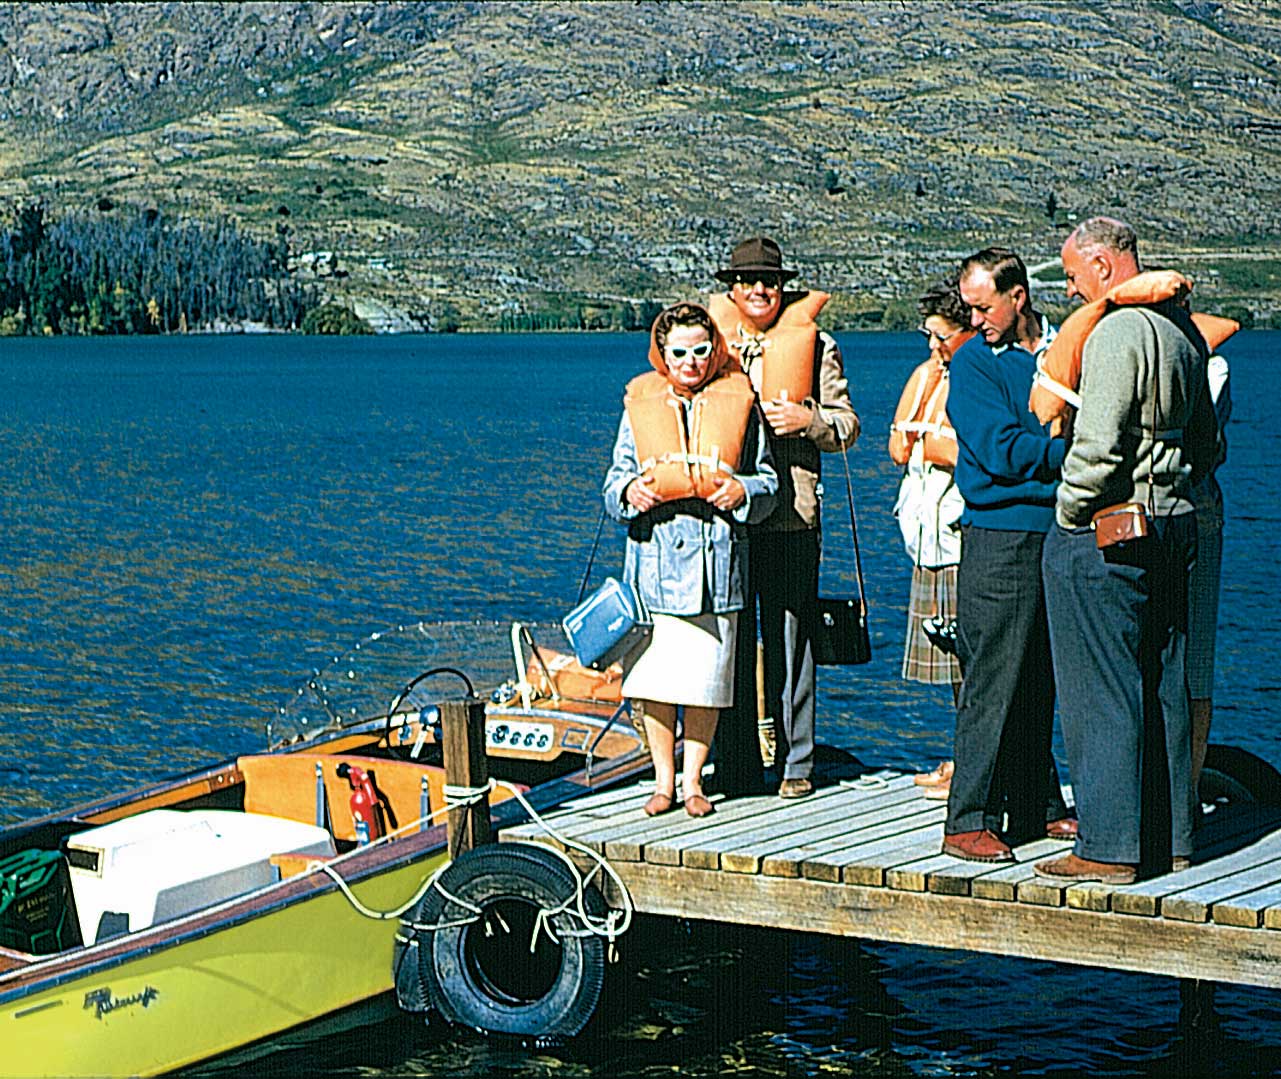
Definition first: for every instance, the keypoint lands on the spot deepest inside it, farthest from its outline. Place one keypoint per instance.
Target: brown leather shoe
(981, 846)
(795, 788)
(1179, 863)
(1071, 868)
(1061, 829)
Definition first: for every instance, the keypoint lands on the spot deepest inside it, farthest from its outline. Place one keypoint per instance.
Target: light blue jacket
(684, 557)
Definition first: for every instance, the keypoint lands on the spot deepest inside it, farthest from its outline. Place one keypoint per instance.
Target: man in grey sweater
(1144, 433)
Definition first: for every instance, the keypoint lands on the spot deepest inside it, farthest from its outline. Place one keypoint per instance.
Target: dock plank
(958, 877)
(671, 849)
(581, 813)
(815, 858)
(873, 865)
(1247, 910)
(1039, 892)
(1149, 897)
(1194, 904)
(922, 829)
(636, 843)
(846, 826)
(833, 809)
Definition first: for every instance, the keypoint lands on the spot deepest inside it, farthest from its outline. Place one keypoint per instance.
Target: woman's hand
(729, 495)
(640, 495)
(787, 417)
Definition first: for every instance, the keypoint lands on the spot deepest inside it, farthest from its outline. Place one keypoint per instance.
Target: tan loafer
(698, 806)
(659, 803)
(1072, 868)
(941, 775)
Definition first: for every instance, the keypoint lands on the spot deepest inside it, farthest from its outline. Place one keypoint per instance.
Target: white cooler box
(164, 863)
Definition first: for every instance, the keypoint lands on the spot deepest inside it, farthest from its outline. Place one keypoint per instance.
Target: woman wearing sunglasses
(929, 506)
(690, 471)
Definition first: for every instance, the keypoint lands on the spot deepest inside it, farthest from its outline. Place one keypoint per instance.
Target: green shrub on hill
(334, 319)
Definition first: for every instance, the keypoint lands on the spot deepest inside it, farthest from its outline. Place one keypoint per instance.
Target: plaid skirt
(933, 592)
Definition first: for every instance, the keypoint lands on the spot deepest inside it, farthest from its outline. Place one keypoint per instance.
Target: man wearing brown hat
(799, 376)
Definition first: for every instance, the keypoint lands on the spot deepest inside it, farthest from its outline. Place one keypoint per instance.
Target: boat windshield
(403, 668)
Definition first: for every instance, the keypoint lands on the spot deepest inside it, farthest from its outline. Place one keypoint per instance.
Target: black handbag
(840, 626)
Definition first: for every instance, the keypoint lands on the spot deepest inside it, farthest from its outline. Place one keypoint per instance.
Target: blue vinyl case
(606, 625)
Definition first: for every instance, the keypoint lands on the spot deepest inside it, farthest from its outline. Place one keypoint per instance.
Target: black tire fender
(481, 973)
(1237, 775)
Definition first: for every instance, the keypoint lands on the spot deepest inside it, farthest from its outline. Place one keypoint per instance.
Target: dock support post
(1196, 1005)
(463, 730)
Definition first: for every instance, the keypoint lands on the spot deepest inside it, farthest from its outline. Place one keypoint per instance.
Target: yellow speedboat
(215, 909)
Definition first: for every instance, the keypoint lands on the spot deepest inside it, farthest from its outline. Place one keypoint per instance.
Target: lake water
(191, 525)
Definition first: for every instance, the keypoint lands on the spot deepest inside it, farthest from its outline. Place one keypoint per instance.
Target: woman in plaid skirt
(929, 505)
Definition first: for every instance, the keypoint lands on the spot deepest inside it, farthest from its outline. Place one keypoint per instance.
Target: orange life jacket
(1058, 375)
(787, 360)
(693, 461)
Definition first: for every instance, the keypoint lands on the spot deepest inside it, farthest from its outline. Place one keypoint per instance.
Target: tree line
(141, 272)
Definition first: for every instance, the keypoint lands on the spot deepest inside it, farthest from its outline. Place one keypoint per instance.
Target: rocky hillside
(481, 163)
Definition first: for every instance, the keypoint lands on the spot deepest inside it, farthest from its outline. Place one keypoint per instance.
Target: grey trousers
(1005, 715)
(783, 584)
(784, 578)
(1118, 626)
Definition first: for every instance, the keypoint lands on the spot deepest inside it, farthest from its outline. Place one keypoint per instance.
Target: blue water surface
(192, 524)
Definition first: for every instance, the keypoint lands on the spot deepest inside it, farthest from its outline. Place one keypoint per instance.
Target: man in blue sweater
(1007, 469)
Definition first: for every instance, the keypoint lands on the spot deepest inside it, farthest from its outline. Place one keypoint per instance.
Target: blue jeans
(1118, 629)
(1005, 715)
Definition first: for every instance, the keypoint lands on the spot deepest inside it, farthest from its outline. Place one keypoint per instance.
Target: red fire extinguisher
(366, 815)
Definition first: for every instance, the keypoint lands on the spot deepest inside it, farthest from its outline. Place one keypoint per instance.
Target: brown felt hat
(760, 254)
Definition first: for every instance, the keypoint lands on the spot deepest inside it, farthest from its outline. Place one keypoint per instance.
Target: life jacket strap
(1057, 388)
(688, 460)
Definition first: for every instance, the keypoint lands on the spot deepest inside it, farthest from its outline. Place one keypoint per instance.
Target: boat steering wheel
(426, 713)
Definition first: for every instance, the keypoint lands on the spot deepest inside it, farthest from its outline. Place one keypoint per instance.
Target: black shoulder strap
(858, 558)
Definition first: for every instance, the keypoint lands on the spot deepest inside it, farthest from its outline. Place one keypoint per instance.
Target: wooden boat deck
(860, 857)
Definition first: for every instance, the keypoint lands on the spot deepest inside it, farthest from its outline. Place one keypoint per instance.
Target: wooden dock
(860, 858)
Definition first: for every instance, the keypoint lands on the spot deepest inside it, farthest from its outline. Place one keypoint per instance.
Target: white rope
(609, 927)
(461, 797)
(614, 924)
(377, 915)
(331, 871)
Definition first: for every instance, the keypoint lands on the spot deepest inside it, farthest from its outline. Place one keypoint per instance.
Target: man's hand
(729, 495)
(787, 417)
(640, 495)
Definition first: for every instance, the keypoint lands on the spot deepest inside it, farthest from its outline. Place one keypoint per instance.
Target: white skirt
(689, 660)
